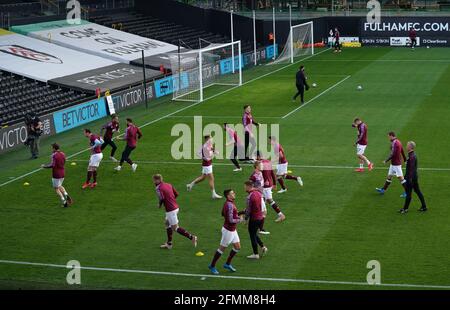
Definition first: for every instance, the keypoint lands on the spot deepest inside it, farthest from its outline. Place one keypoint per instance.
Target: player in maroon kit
(282, 167)
(361, 144)
(395, 169)
(254, 214)
(168, 197)
(58, 172)
(270, 182)
(95, 143)
(412, 37)
(229, 232)
(248, 122)
(258, 182)
(132, 134)
(207, 153)
(238, 148)
(110, 128)
(337, 44)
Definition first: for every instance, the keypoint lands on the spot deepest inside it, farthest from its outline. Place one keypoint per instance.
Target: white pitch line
(177, 111)
(196, 163)
(249, 278)
(322, 93)
(222, 117)
(381, 60)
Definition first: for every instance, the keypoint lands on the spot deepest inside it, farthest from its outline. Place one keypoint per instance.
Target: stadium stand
(19, 96)
(154, 28)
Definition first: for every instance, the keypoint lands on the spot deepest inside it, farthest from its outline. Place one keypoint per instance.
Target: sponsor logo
(402, 41)
(170, 84)
(79, 115)
(14, 136)
(27, 53)
(406, 26)
(99, 79)
(435, 41)
(375, 41)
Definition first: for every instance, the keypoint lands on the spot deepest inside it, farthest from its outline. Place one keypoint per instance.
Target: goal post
(202, 73)
(300, 42)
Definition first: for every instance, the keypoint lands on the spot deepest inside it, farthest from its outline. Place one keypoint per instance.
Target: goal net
(299, 43)
(202, 73)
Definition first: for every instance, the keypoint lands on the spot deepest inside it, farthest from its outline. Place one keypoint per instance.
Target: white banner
(103, 41)
(43, 61)
(402, 41)
(345, 39)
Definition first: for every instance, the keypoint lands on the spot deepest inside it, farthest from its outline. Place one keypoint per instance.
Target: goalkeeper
(301, 84)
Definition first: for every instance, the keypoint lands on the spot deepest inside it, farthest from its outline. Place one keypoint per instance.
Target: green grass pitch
(335, 224)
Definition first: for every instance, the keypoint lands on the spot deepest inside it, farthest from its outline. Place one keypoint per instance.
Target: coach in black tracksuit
(412, 179)
(300, 82)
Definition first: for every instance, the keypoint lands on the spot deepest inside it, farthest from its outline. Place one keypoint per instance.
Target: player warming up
(207, 153)
(132, 135)
(412, 179)
(254, 214)
(95, 143)
(248, 122)
(229, 233)
(395, 169)
(412, 37)
(168, 197)
(110, 128)
(58, 171)
(361, 144)
(238, 148)
(282, 167)
(337, 43)
(270, 182)
(258, 182)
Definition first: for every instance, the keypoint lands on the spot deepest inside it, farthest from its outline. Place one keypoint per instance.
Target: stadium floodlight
(202, 73)
(299, 43)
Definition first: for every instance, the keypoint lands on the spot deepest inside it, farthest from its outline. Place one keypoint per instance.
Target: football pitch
(335, 224)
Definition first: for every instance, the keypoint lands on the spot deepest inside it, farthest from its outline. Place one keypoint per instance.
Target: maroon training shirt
(132, 134)
(110, 128)
(230, 214)
(254, 207)
(168, 196)
(98, 148)
(397, 153)
(268, 174)
(362, 134)
(57, 165)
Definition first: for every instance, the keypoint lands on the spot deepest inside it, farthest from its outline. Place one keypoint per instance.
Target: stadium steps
(154, 28)
(20, 95)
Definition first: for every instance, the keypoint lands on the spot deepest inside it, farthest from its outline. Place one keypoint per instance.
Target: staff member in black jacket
(300, 82)
(412, 181)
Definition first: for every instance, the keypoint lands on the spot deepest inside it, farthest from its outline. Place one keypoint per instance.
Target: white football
(359, 87)
(314, 85)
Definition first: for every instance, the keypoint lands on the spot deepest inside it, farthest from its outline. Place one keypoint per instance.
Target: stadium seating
(154, 28)
(19, 95)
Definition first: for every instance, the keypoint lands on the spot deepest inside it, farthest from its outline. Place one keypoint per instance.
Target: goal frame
(292, 38)
(201, 87)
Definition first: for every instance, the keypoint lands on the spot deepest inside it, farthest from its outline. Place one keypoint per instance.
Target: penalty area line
(247, 278)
